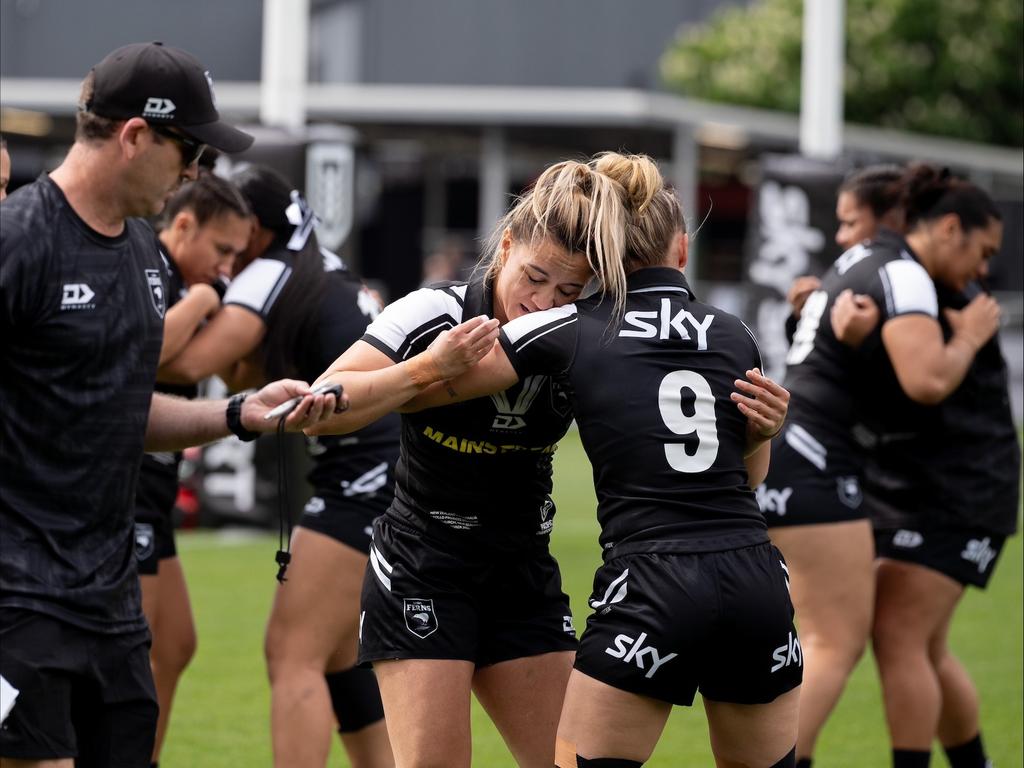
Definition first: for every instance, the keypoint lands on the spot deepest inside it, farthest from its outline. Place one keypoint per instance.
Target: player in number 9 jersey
(692, 595)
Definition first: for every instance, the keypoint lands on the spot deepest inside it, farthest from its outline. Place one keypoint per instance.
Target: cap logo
(213, 94)
(156, 107)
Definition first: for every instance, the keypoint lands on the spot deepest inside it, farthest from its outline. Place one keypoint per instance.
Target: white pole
(494, 178)
(821, 81)
(285, 63)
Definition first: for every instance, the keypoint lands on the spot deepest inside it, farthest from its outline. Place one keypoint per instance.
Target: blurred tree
(948, 67)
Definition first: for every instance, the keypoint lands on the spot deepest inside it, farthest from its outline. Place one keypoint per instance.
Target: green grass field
(221, 716)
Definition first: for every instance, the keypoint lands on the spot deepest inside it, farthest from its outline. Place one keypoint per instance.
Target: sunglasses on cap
(191, 150)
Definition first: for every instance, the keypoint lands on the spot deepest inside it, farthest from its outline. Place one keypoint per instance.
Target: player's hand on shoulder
(764, 402)
(978, 321)
(457, 350)
(853, 317)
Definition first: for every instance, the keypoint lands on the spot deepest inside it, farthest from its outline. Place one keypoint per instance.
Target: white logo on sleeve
(157, 107)
(156, 290)
(77, 296)
(630, 650)
(788, 653)
(980, 552)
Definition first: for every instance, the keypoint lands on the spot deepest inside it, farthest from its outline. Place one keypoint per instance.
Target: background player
(205, 224)
(288, 313)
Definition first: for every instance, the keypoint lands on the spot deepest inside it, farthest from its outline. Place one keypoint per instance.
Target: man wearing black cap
(82, 298)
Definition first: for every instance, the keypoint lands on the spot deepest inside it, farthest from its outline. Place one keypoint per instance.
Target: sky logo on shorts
(420, 618)
(630, 650)
(771, 500)
(978, 551)
(905, 539)
(788, 653)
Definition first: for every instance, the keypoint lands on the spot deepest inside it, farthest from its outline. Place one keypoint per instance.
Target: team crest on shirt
(145, 541)
(420, 618)
(156, 291)
(848, 489)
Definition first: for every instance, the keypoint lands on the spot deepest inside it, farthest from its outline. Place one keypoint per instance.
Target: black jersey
(824, 375)
(962, 467)
(164, 464)
(345, 310)
(480, 470)
(651, 396)
(81, 323)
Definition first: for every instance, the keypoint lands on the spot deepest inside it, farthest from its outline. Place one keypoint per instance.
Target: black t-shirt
(962, 467)
(81, 323)
(477, 472)
(164, 464)
(346, 309)
(651, 396)
(824, 376)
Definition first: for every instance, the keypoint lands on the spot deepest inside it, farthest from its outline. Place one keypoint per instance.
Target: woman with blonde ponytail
(461, 593)
(649, 373)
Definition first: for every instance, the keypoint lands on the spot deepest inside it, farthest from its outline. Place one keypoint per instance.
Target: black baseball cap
(165, 86)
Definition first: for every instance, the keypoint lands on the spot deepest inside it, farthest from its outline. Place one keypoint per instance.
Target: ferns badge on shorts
(420, 618)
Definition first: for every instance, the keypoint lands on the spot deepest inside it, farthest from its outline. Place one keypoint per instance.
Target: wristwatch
(234, 417)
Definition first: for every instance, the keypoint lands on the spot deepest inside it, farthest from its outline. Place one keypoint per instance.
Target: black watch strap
(234, 417)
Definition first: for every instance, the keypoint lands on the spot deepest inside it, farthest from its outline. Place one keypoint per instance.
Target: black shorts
(667, 625)
(810, 481)
(965, 555)
(344, 520)
(154, 521)
(81, 694)
(424, 600)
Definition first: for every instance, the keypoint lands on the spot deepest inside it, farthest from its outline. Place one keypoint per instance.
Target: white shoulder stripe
(910, 288)
(258, 285)
(527, 324)
(421, 312)
(546, 331)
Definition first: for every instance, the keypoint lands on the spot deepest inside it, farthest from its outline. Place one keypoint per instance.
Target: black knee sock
(968, 755)
(789, 761)
(911, 758)
(804, 762)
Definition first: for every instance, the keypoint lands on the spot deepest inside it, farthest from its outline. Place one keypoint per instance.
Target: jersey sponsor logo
(772, 500)
(157, 107)
(420, 618)
(77, 296)
(907, 539)
(145, 541)
(315, 506)
(465, 445)
(510, 415)
(848, 490)
(547, 520)
(980, 552)
(634, 651)
(368, 483)
(156, 291)
(667, 324)
(788, 653)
